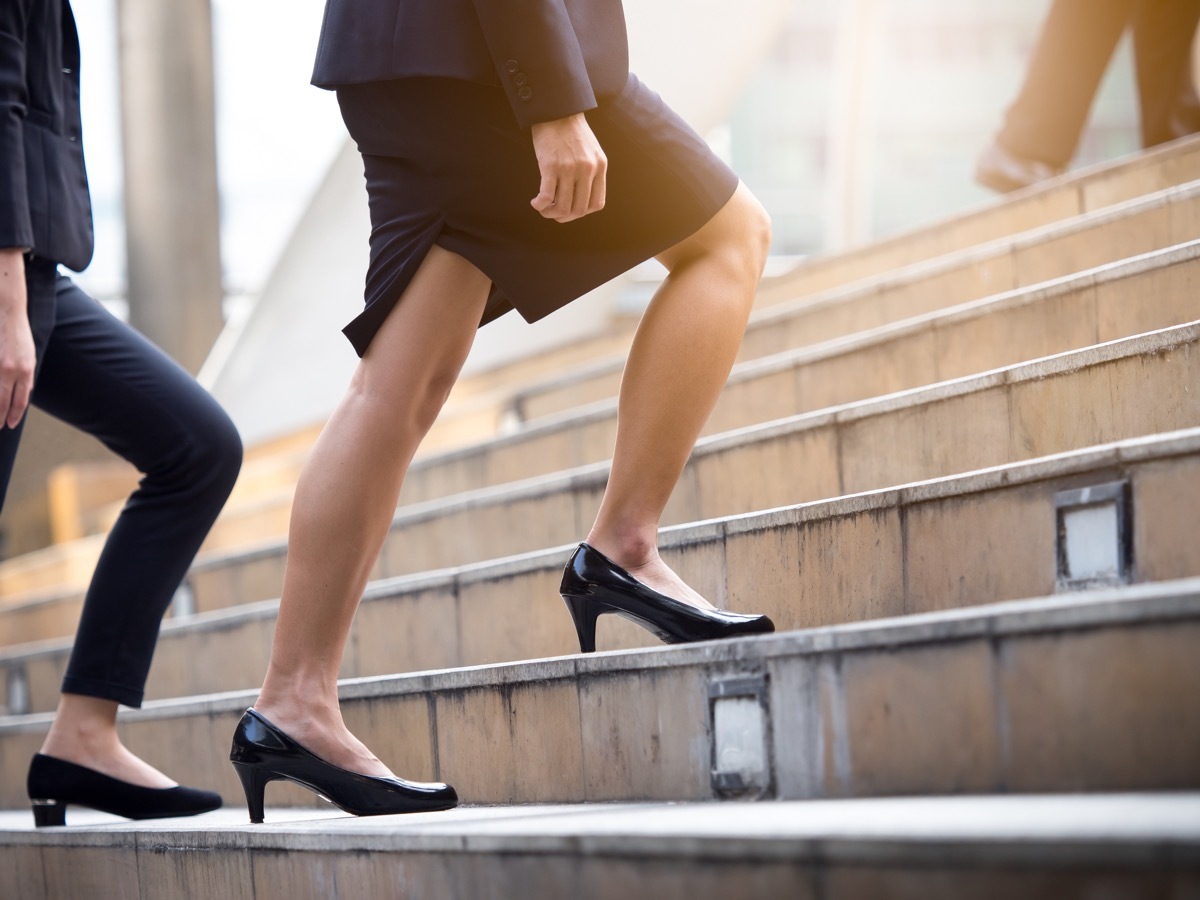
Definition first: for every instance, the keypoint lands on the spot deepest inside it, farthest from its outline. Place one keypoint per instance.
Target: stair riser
(1171, 166)
(997, 335)
(1159, 170)
(964, 345)
(839, 562)
(113, 869)
(1174, 220)
(822, 457)
(1092, 693)
(54, 618)
(47, 569)
(1096, 313)
(831, 453)
(590, 440)
(1046, 703)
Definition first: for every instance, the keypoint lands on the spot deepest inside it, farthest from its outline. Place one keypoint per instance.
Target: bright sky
(275, 132)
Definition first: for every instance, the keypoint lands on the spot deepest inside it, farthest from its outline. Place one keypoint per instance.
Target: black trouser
(101, 376)
(1072, 52)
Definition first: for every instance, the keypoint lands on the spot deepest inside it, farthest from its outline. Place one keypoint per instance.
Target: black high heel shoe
(54, 783)
(593, 585)
(262, 753)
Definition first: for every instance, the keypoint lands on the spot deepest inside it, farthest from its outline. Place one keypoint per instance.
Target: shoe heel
(48, 812)
(584, 612)
(254, 784)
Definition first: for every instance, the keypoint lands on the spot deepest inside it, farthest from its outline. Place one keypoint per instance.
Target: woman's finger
(599, 188)
(544, 200)
(18, 403)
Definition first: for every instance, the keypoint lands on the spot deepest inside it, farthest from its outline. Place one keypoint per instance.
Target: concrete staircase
(959, 468)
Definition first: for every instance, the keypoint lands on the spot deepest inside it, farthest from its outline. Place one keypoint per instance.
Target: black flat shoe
(593, 585)
(54, 783)
(262, 753)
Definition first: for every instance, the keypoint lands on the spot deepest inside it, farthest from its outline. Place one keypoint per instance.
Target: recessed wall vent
(1095, 544)
(741, 736)
(18, 691)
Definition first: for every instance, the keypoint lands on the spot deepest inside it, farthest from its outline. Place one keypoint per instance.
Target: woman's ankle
(304, 696)
(630, 550)
(82, 727)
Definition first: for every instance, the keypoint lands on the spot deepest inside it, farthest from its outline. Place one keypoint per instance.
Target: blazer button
(520, 79)
(525, 94)
(512, 66)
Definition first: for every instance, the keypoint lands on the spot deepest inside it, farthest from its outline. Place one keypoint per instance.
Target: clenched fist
(573, 168)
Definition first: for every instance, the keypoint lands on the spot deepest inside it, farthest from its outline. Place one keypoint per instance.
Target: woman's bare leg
(684, 348)
(347, 493)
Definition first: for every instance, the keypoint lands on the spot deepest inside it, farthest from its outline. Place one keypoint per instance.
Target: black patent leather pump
(262, 753)
(54, 783)
(593, 585)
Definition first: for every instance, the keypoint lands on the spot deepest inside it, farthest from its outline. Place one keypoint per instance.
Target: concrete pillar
(170, 162)
(856, 55)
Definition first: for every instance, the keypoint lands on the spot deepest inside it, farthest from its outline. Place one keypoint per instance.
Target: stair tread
(1151, 447)
(840, 700)
(1162, 601)
(1072, 194)
(980, 827)
(268, 499)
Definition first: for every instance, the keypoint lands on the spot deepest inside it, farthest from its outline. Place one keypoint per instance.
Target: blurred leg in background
(1042, 127)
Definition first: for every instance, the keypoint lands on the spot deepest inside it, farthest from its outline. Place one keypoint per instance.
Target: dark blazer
(553, 57)
(44, 201)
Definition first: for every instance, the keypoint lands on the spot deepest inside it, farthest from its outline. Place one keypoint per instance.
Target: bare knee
(405, 409)
(751, 229)
(738, 238)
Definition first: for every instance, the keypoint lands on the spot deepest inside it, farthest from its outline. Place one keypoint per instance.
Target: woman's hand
(573, 169)
(16, 340)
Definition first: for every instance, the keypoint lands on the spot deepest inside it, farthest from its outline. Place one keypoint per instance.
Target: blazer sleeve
(16, 226)
(538, 58)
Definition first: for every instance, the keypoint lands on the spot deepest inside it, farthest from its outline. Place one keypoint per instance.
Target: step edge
(1146, 604)
(1129, 451)
(911, 273)
(914, 272)
(1163, 843)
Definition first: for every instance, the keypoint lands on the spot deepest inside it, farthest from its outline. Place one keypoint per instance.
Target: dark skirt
(446, 163)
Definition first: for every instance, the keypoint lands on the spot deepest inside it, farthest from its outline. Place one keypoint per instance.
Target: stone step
(474, 411)
(1082, 194)
(1071, 313)
(1123, 389)
(1031, 409)
(1075, 194)
(1142, 225)
(1062, 249)
(1062, 315)
(948, 543)
(935, 848)
(483, 404)
(586, 436)
(1149, 188)
(1068, 313)
(1091, 691)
